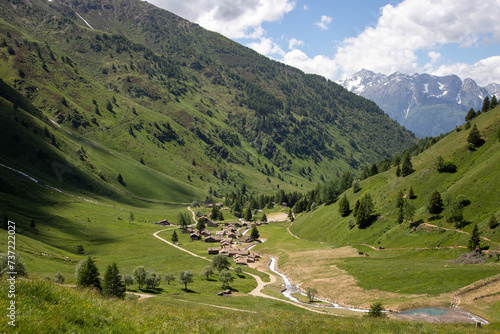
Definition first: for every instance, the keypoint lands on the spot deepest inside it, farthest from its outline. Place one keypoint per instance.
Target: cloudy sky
(336, 38)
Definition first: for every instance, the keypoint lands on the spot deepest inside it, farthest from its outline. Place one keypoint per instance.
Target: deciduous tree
(186, 277)
(220, 262)
(207, 271)
(139, 275)
(225, 277)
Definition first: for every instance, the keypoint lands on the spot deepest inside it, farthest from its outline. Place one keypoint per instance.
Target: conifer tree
(493, 102)
(435, 205)
(200, 226)
(88, 274)
(407, 166)
(486, 104)
(113, 284)
(365, 211)
(474, 137)
(475, 239)
(411, 193)
(175, 238)
(470, 115)
(344, 208)
(264, 218)
(248, 214)
(254, 233)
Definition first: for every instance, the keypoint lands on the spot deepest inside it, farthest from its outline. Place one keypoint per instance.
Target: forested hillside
(124, 76)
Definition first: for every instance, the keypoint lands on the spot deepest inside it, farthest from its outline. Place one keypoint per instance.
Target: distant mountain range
(426, 104)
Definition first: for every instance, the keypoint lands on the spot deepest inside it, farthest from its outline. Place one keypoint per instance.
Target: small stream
(291, 289)
(414, 314)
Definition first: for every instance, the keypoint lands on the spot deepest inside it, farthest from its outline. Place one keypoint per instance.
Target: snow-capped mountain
(426, 104)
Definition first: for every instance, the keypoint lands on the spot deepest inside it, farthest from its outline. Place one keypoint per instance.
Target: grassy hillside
(420, 261)
(190, 103)
(476, 178)
(58, 308)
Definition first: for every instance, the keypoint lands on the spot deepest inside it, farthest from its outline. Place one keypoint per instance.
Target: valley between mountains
(138, 149)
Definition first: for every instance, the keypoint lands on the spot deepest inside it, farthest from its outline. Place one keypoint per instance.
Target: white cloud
(320, 64)
(483, 72)
(416, 25)
(293, 43)
(267, 47)
(232, 18)
(324, 22)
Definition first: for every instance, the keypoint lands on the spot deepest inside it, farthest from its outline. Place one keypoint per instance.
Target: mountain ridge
(426, 104)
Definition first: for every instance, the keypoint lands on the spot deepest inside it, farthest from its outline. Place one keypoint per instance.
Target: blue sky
(336, 38)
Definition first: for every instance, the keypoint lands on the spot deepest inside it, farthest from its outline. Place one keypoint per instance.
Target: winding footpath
(257, 292)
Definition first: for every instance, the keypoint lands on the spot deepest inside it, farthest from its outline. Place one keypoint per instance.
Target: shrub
(376, 310)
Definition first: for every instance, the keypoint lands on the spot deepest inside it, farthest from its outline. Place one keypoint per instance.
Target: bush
(447, 167)
(59, 278)
(19, 266)
(376, 310)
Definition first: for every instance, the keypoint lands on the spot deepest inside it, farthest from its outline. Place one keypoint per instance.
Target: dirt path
(194, 215)
(211, 305)
(288, 229)
(173, 245)
(451, 229)
(141, 296)
(255, 292)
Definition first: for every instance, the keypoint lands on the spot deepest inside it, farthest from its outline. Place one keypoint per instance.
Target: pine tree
(486, 104)
(365, 211)
(254, 233)
(200, 226)
(470, 115)
(400, 218)
(119, 178)
(493, 102)
(290, 215)
(475, 239)
(175, 238)
(435, 205)
(248, 214)
(113, 285)
(411, 193)
(264, 218)
(344, 208)
(88, 274)
(407, 166)
(398, 171)
(474, 137)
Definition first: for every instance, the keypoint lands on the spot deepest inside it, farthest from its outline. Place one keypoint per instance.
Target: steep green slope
(192, 104)
(477, 180)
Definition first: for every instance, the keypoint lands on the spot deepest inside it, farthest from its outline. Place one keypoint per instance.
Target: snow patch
(426, 88)
(84, 20)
